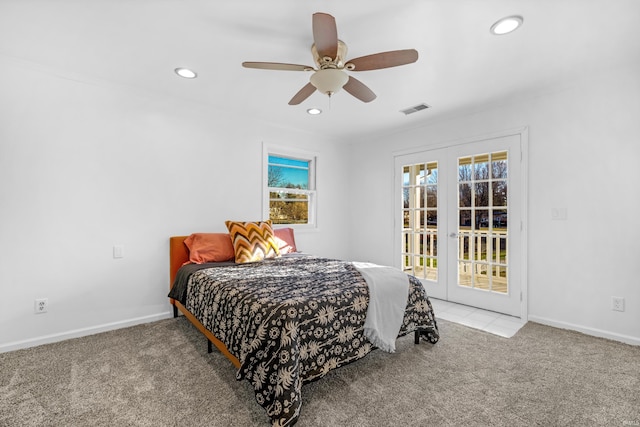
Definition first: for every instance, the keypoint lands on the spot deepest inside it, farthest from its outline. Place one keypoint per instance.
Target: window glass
(290, 188)
(288, 173)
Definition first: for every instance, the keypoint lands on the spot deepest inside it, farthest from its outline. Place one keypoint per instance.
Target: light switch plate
(118, 251)
(559, 214)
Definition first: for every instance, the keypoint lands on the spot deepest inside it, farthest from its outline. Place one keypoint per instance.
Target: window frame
(311, 192)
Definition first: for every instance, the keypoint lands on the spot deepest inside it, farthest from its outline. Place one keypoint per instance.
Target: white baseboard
(585, 330)
(77, 333)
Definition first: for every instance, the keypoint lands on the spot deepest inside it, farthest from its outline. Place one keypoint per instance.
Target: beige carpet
(160, 375)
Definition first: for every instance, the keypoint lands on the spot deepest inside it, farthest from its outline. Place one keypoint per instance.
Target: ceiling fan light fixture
(506, 25)
(329, 81)
(186, 73)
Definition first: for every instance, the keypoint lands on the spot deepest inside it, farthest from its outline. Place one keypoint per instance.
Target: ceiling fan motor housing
(327, 62)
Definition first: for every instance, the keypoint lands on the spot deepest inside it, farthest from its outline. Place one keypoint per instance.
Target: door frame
(523, 133)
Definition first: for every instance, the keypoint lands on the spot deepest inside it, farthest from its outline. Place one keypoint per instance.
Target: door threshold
(489, 321)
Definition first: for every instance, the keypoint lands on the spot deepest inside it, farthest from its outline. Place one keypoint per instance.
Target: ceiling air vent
(415, 109)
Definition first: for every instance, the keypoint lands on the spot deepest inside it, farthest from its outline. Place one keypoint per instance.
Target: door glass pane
(432, 196)
(420, 196)
(499, 279)
(464, 274)
(482, 229)
(481, 279)
(481, 220)
(464, 169)
(499, 192)
(501, 249)
(418, 267)
(421, 173)
(480, 247)
(405, 176)
(420, 219)
(481, 167)
(432, 219)
(465, 219)
(432, 248)
(499, 165)
(465, 246)
(465, 195)
(481, 194)
(500, 220)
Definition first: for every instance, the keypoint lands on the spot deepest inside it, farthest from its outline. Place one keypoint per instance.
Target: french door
(460, 222)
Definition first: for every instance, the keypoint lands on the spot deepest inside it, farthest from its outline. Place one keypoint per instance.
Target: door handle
(453, 235)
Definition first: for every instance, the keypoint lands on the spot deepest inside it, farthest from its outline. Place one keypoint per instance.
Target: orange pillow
(209, 247)
(252, 241)
(285, 240)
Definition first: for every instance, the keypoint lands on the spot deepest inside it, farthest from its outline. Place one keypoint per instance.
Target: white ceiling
(462, 67)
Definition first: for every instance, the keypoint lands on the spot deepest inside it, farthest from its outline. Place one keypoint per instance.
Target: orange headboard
(178, 255)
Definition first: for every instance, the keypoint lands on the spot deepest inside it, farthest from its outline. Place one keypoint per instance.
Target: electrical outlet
(617, 303)
(40, 306)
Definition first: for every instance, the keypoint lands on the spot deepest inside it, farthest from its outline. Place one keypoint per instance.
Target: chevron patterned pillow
(252, 241)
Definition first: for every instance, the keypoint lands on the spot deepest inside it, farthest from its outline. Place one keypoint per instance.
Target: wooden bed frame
(178, 255)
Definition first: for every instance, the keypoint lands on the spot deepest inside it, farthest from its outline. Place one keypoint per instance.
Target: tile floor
(488, 321)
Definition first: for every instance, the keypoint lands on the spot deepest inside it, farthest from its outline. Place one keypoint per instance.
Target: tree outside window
(291, 188)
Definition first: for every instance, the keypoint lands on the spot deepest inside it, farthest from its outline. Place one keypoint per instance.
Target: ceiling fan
(329, 54)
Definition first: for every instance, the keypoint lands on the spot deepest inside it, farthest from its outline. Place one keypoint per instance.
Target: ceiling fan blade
(302, 94)
(277, 66)
(325, 35)
(380, 60)
(358, 89)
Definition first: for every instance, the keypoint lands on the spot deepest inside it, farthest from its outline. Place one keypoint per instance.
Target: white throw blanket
(388, 294)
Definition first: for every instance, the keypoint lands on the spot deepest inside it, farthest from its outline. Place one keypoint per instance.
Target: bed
(286, 321)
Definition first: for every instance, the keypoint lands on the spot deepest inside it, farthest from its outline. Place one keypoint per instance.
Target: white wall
(85, 165)
(584, 150)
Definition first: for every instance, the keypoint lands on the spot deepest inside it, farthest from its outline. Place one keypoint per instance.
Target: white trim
(77, 333)
(524, 224)
(586, 330)
(461, 141)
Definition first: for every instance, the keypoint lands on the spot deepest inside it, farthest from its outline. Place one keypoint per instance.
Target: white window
(289, 191)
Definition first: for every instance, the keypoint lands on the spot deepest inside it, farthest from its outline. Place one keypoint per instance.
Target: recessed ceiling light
(506, 25)
(314, 111)
(186, 73)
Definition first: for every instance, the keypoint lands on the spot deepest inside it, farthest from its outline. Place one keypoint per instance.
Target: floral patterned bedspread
(291, 320)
